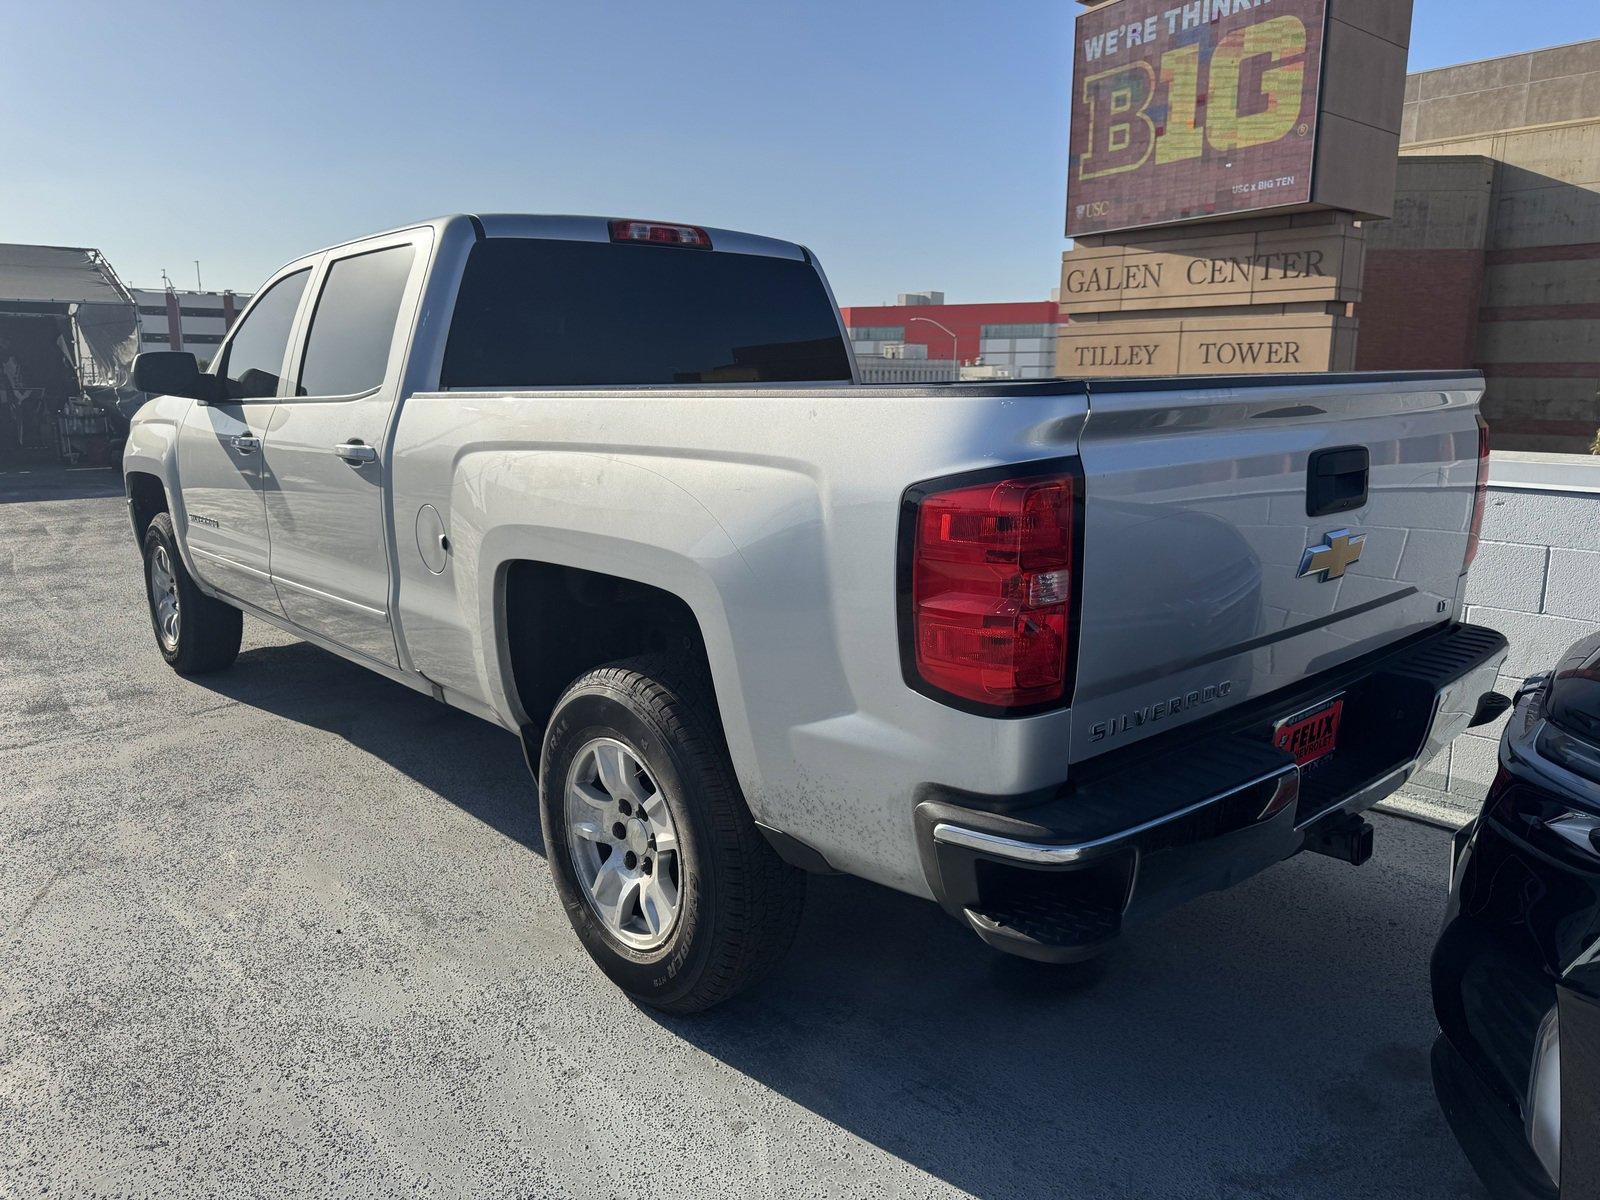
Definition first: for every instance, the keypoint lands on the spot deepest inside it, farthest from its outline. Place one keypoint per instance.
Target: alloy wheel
(164, 598)
(624, 844)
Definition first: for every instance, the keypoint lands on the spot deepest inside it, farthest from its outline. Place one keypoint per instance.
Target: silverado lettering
(1151, 713)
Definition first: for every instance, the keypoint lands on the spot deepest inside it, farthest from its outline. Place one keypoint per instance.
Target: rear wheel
(664, 876)
(194, 632)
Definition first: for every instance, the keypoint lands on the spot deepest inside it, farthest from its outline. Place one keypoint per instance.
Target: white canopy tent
(69, 331)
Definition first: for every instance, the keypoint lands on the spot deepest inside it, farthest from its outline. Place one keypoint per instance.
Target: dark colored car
(1516, 973)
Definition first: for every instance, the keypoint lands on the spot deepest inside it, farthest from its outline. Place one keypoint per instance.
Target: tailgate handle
(1336, 480)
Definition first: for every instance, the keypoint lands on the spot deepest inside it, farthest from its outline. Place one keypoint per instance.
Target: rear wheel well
(148, 497)
(563, 621)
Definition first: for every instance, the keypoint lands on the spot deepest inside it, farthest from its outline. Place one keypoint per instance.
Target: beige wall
(1545, 87)
(1535, 118)
(1443, 202)
(1547, 190)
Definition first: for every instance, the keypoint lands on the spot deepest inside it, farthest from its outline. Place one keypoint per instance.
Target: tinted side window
(255, 355)
(542, 313)
(351, 330)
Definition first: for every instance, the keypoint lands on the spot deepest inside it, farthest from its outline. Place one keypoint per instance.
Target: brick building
(192, 321)
(1492, 259)
(1017, 339)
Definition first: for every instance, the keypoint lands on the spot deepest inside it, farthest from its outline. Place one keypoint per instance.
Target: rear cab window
(353, 325)
(537, 312)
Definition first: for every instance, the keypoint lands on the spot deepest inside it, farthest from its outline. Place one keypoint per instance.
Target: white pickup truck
(1057, 655)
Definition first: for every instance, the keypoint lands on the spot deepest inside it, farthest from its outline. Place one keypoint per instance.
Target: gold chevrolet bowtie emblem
(1339, 550)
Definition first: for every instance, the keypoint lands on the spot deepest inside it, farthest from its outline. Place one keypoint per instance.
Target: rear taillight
(1475, 530)
(991, 589)
(659, 234)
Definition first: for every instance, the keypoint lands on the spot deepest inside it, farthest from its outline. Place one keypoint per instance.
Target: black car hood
(1574, 699)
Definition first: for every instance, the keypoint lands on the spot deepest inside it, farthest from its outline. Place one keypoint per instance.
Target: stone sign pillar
(1224, 154)
(1268, 294)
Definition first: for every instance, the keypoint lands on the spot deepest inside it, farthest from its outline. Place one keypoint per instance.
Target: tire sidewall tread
(209, 631)
(741, 902)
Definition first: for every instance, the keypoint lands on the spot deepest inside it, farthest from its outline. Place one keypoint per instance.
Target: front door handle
(356, 452)
(245, 444)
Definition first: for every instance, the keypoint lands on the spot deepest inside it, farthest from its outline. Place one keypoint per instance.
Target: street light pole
(955, 342)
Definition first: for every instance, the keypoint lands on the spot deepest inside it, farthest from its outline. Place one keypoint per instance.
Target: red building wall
(966, 321)
(1419, 310)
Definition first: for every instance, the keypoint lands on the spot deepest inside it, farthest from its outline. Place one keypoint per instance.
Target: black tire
(208, 631)
(740, 904)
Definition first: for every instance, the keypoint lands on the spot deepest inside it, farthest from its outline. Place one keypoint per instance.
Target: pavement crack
(56, 877)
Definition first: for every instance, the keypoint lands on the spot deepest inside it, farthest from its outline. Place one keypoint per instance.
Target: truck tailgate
(1198, 591)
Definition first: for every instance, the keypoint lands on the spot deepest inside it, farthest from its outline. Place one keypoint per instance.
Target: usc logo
(1123, 137)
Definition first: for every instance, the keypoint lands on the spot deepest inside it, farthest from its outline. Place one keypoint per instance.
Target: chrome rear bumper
(1197, 810)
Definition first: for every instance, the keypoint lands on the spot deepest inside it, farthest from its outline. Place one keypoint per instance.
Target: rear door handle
(246, 444)
(356, 452)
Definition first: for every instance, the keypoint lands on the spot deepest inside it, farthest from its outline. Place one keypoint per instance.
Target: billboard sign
(1188, 109)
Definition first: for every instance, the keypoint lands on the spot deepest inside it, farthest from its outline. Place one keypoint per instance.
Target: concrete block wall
(1537, 580)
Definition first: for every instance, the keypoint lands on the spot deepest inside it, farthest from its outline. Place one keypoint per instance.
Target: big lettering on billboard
(1189, 109)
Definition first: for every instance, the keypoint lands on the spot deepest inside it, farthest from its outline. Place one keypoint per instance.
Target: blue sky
(910, 145)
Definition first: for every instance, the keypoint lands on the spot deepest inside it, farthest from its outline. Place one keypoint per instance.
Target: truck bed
(777, 512)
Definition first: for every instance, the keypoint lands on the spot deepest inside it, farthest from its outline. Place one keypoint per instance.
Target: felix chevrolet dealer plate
(1312, 733)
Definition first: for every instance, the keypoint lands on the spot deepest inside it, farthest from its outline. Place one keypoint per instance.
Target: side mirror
(174, 373)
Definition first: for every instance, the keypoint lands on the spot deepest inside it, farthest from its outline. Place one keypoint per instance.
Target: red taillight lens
(991, 590)
(660, 234)
(1475, 530)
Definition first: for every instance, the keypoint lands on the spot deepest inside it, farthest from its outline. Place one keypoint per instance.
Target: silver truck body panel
(774, 513)
(785, 554)
(328, 516)
(1196, 530)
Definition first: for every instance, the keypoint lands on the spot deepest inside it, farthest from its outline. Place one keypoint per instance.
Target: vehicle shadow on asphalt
(474, 765)
(58, 483)
(1271, 1041)
(1268, 1041)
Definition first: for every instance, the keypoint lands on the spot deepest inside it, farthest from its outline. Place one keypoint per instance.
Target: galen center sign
(1184, 111)
(1225, 156)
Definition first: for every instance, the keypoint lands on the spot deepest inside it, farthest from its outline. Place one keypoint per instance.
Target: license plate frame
(1310, 734)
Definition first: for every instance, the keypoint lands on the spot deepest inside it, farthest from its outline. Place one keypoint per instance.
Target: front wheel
(194, 632)
(664, 876)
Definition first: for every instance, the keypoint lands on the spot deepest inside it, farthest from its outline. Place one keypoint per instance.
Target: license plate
(1310, 734)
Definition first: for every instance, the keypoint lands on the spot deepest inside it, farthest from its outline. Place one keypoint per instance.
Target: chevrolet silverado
(1056, 654)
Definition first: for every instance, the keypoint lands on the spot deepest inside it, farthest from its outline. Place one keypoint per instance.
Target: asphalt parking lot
(289, 931)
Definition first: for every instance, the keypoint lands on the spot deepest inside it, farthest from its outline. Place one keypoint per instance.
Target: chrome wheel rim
(624, 844)
(164, 597)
